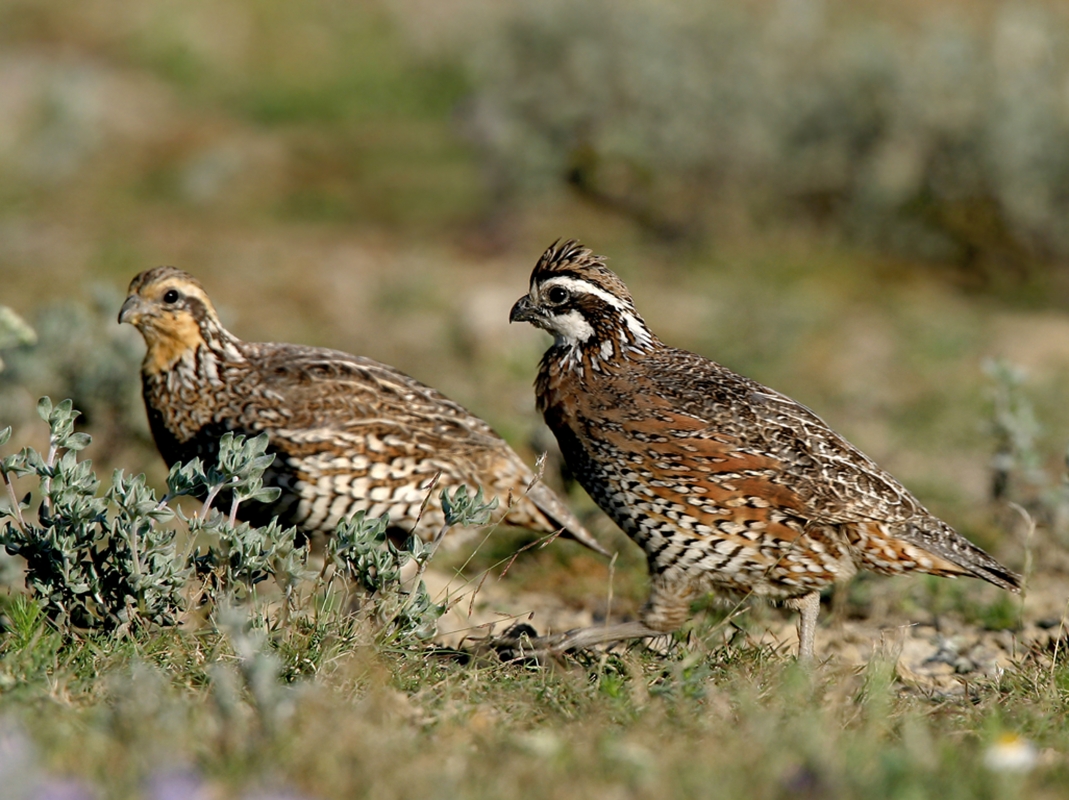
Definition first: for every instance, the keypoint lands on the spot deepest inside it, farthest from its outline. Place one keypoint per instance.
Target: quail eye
(171, 296)
(557, 295)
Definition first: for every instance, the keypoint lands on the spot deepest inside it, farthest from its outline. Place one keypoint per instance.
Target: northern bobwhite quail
(724, 483)
(348, 433)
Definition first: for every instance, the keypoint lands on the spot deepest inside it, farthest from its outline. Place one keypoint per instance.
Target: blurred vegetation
(939, 133)
(14, 332)
(79, 353)
(1022, 475)
(774, 179)
(313, 111)
(180, 716)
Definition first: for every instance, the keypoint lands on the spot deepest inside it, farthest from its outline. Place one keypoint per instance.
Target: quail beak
(523, 311)
(132, 310)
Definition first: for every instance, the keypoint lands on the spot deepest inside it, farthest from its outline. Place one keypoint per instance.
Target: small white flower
(1011, 753)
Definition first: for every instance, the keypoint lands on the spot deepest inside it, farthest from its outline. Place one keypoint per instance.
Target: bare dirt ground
(937, 655)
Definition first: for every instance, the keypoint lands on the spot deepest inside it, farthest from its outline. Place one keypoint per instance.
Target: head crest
(563, 256)
(571, 259)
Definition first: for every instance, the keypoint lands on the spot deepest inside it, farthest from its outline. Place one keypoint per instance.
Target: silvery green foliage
(1019, 473)
(94, 562)
(107, 562)
(82, 354)
(243, 555)
(259, 670)
(465, 510)
(361, 550)
(1017, 462)
(947, 137)
(237, 555)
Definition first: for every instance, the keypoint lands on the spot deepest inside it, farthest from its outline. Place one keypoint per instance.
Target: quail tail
(560, 517)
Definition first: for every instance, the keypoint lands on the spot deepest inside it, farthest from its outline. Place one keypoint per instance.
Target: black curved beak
(523, 311)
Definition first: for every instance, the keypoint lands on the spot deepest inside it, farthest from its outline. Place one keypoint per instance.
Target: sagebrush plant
(945, 138)
(361, 550)
(90, 569)
(1020, 474)
(114, 562)
(1016, 429)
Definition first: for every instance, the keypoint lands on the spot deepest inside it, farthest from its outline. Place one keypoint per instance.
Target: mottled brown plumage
(725, 483)
(348, 433)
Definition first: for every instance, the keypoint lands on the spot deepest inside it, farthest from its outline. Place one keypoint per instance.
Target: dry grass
(133, 137)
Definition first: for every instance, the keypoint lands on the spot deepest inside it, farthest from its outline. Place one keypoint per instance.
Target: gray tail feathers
(560, 517)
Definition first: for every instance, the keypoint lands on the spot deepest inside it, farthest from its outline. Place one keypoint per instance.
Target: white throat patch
(571, 328)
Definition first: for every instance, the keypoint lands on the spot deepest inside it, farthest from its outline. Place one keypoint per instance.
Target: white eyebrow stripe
(631, 320)
(577, 285)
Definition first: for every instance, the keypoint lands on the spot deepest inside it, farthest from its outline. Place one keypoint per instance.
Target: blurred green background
(861, 204)
(856, 203)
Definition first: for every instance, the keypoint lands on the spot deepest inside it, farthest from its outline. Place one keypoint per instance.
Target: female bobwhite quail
(348, 433)
(724, 483)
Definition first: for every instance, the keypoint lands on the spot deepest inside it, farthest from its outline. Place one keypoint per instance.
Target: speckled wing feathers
(318, 388)
(833, 482)
(355, 433)
(835, 479)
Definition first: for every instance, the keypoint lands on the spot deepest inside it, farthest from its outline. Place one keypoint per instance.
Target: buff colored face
(167, 309)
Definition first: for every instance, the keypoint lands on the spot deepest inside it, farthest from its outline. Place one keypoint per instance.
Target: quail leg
(808, 607)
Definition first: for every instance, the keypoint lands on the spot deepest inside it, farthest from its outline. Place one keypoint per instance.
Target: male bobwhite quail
(724, 483)
(348, 433)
